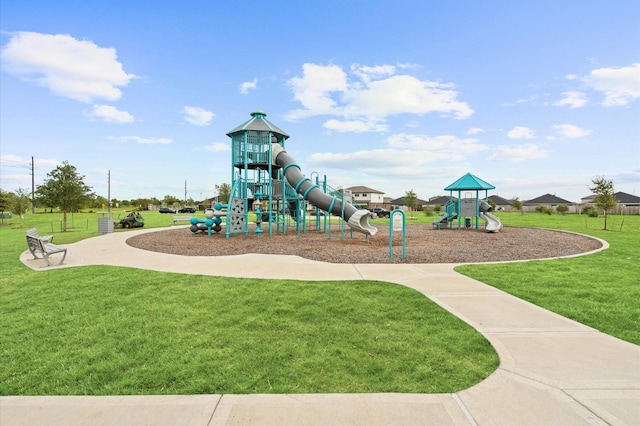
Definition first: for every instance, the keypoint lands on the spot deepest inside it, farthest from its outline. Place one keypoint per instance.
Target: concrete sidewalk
(553, 371)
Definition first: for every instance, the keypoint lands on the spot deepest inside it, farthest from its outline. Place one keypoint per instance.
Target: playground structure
(469, 209)
(264, 175)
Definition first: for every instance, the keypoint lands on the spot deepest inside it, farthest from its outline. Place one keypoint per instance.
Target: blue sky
(532, 97)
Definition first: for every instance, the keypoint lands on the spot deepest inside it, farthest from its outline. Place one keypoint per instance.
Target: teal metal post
(403, 229)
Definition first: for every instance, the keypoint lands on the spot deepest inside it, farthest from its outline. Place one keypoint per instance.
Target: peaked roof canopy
(258, 122)
(468, 182)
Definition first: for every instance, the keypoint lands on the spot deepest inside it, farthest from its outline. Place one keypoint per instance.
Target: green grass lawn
(100, 330)
(601, 290)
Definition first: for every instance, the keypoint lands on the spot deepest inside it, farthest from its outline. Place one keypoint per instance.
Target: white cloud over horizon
(573, 99)
(528, 151)
(110, 114)
(570, 131)
(521, 132)
(404, 155)
(619, 85)
(68, 67)
(141, 140)
(198, 116)
(217, 147)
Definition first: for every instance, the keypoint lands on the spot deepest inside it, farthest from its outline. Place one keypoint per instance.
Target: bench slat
(181, 218)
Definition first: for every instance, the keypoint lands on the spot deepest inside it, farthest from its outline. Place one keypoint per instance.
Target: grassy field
(108, 330)
(600, 290)
(100, 330)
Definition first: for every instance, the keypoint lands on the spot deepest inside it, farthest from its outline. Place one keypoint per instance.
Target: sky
(404, 95)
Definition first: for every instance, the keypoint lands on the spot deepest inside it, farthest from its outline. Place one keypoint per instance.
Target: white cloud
(370, 94)
(372, 160)
(198, 116)
(620, 86)
(528, 151)
(71, 68)
(141, 140)
(22, 179)
(110, 114)
(443, 146)
(356, 126)
(520, 132)
(400, 94)
(404, 156)
(313, 89)
(10, 160)
(570, 131)
(217, 147)
(573, 99)
(368, 73)
(248, 85)
(474, 131)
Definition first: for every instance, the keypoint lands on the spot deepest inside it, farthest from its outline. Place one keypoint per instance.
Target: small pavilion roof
(258, 122)
(468, 182)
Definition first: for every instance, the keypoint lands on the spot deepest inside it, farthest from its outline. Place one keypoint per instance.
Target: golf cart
(132, 220)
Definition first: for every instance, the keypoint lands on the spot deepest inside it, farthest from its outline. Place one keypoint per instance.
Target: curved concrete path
(553, 371)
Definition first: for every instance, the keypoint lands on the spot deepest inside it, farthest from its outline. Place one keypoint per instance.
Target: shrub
(590, 211)
(562, 209)
(544, 209)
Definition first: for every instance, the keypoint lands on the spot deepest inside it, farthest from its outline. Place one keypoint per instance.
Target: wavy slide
(358, 220)
(493, 224)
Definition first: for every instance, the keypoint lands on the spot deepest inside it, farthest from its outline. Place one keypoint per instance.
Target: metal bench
(44, 247)
(177, 219)
(34, 233)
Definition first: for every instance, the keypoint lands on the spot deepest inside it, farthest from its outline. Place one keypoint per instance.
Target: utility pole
(185, 193)
(33, 187)
(109, 191)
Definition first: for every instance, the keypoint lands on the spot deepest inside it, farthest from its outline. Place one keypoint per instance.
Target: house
(501, 203)
(367, 197)
(400, 203)
(627, 203)
(548, 200)
(439, 200)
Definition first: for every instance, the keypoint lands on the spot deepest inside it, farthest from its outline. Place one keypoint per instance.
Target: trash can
(105, 223)
(467, 222)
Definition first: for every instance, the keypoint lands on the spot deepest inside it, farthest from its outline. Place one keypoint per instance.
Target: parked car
(380, 212)
(187, 210)
(166, 210)
(317, 212)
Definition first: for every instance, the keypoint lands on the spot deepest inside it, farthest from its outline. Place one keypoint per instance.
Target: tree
(224, 193)
(170, 200)
(22, 203)
(100, 202)
(517, 204)
(65, 188)
(5, 203)
(411, 200)
(605, 198)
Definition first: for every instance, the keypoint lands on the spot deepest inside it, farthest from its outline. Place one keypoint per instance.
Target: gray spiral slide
(358, 220)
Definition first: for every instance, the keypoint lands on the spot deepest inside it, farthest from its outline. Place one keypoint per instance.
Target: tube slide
(493, 224)
(358, 220)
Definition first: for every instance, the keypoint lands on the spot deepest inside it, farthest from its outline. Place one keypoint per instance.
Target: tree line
(65, 189)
